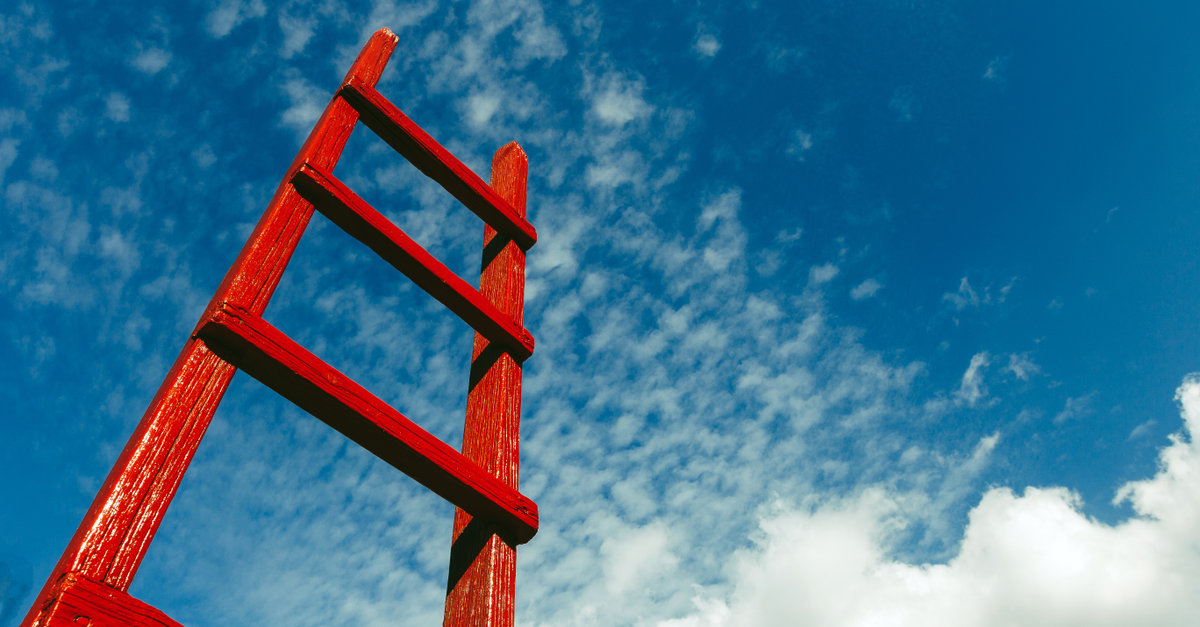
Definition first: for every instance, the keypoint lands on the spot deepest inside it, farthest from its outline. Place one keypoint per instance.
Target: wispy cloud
(971, 389)
(866, 289)
(1022, 366)
(1075, 408)
(967, 297)
(228, 14)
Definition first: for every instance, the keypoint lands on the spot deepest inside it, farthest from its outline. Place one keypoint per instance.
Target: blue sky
(845, 315)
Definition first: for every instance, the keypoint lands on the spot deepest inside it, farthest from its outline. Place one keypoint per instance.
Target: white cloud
(802, 142)
(150, 60)
(967, 297)
(41, 169)
(1021, 366)
(613, 170)
(204, 156)
(706, 44)
(823, 273)
(10, 118)
(1075, 407)
(8, 154)
(481, 107)
(728, 242)
(635, 558)
(305, 103)
(538, 39)
(866, 289)
(964, 297)
(971, 390)
(116, 107)
(1142, 430)
(297, 31)
(1030, 559)
(228, 14)
(995, 69)
(619, 100)
(788, 236)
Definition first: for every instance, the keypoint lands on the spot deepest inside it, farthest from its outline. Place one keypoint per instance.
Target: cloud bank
(1031, 559)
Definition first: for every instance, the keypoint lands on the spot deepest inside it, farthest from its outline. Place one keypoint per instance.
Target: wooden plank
(83, 602)
(481, 587)
(345, 209)
(113, 536)
(437, 163)
(266, 354)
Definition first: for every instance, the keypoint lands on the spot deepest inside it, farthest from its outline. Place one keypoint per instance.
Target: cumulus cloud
(150, 60)
(619, 100)
(1030, 558)
(116, 107)
(823, 273)
(480, 107)
(866, 289)
(706, 44)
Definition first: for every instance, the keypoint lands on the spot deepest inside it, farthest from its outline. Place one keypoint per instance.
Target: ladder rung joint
(414, 144)
(360, 220)
(267, 354)
(101, 605)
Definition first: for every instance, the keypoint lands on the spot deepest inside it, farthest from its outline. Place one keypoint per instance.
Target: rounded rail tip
(387, 32)
(509, 151)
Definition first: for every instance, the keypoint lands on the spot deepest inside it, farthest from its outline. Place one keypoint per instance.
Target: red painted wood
(265, 353)
(345, 209)
(80, 602)
(437, 163)
(87, 586)
(115, 533)
(482, 585)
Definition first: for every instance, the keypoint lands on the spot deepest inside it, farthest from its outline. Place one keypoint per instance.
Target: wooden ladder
(90, 583)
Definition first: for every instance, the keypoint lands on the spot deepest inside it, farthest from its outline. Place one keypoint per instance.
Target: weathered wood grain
(481, 589)
(265, 353)
(81, 602)
(359, 219)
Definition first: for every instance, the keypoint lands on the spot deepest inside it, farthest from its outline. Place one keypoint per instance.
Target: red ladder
(90, 583)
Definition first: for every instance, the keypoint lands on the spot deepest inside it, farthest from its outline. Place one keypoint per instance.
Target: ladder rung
(436, 162)
(344, 208)
(265, 353)
(102, 606)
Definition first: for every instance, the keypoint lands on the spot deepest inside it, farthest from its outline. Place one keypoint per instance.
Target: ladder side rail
(363, 222)
(267, 354)
(481, 586)
(113, 536)
(423, 151)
